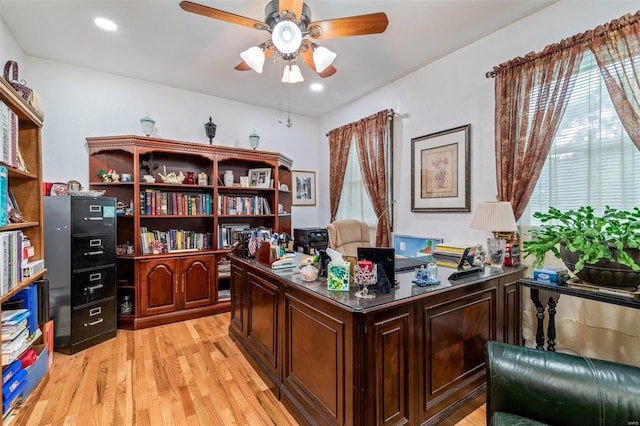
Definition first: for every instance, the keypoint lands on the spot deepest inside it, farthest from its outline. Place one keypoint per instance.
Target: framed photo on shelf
(260, 178)
(304, 188)
(440, 170)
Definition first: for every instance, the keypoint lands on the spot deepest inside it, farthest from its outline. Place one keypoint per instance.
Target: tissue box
(338, 276)
(551, 275)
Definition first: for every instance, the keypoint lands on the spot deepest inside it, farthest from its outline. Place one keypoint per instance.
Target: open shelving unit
(26, 186)
(183, 281)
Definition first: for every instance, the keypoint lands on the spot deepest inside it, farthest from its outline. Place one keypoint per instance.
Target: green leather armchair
(533, 387)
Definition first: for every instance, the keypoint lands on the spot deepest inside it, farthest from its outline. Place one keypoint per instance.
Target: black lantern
(210, 130)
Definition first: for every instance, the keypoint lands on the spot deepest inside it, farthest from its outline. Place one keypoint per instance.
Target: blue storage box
(37, 370)
(14, 398)
(10, 371)
(10, 387)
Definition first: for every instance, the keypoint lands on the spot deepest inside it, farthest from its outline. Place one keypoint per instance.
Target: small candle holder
(365, 274)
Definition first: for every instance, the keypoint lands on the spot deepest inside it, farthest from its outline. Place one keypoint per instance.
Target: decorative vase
(228, 178)
(189, 180)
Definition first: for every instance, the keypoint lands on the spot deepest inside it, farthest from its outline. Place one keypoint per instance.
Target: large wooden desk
(408, 357)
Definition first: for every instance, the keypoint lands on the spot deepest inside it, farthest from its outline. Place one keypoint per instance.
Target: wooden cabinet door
(197, 282)
(237, 298)
(451, 362)
(159, 286)
(392, 355)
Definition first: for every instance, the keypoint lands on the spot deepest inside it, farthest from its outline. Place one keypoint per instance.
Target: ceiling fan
(289, 22)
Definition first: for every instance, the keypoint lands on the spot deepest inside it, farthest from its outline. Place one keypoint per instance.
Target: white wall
(79, 103)
(452, 92)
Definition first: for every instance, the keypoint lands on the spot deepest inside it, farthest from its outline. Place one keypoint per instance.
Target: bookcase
(189, 277)
(23, 162)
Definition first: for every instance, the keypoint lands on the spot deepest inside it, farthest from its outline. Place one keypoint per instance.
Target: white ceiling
(159, 42)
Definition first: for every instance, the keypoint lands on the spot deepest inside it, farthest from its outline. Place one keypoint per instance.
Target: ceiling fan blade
(294, 6)
(222, 15)
(373, 23)
(242, 66)
(328, 72)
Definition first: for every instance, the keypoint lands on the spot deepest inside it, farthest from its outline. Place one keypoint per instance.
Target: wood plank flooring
(187, 373)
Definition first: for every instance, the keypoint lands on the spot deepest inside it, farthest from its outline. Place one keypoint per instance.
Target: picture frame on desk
(260, 178)
(304, 188)
(440, 171)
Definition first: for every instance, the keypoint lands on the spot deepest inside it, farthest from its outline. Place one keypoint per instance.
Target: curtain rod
(391, 113)
(490, 74)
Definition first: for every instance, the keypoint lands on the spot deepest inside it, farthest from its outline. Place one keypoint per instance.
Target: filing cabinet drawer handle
(93, 218)
(94, 253)
(95, 311)
(94, 287)
(96, 322)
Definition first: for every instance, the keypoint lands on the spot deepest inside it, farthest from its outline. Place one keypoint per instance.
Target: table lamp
(497, 217)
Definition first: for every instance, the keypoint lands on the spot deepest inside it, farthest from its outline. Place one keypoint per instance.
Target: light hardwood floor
(187, 373)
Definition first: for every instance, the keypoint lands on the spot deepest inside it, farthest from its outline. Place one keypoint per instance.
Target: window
(355, 202)
(592, 159)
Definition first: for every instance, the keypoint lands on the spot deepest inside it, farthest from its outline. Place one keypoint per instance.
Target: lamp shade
(254, 57)
(286, 36)
(322, 57)
(494, 216)
(292, 74)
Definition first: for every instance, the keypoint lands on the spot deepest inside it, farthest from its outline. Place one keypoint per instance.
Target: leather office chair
(345, 236)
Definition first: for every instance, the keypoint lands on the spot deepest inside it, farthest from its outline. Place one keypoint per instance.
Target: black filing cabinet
(80, 256)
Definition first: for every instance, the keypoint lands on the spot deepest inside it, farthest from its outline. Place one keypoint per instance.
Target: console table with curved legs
(537, 287)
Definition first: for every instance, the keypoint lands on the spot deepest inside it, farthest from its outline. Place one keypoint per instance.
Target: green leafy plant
(591, 237)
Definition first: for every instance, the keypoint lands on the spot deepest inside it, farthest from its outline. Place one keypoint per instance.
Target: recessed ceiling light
(106, 24)
(316, 87)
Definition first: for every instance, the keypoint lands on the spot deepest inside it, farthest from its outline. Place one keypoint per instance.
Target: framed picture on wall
(440, 171)
(260, 177)
(304, 188)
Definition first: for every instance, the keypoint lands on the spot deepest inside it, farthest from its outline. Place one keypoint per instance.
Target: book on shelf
(4, 189)
(10, 260)
(13, 351)
(9, 142)
(11, 331)
(454, 248)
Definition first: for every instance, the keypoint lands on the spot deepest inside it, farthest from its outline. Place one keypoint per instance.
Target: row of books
(11, 258)
(226, 233)
(156, 202)
(175, 240)
(243, 205)
(9, 138)
(448, 254)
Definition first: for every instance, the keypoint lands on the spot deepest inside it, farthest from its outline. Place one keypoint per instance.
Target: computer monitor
(385, 256)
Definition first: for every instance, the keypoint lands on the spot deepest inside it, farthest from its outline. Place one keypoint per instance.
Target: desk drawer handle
(95, 287)
(96, 322)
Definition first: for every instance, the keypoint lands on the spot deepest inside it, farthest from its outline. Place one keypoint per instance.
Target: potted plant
(599, 249)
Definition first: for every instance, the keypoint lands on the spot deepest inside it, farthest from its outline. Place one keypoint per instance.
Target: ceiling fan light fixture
(254, 57)
(322, 57)
(292, 74)
(286, 36)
